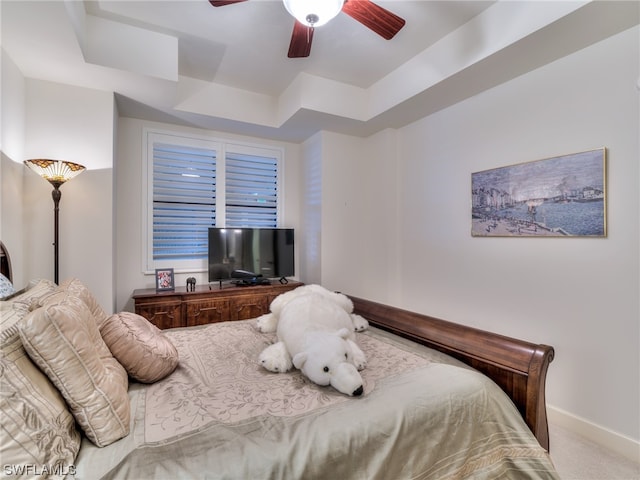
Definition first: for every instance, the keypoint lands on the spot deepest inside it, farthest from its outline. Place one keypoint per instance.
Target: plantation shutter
(251, 184)
(184, 201)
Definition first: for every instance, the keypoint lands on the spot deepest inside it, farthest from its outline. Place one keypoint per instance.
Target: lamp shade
(55, 172)
(313, 13)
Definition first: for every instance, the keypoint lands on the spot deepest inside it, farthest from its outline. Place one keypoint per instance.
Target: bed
(441, 401)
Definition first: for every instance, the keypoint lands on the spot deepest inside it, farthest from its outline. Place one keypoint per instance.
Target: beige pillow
(141, 347)
(64, 341)
(76, 288)
(34, 292)
(36, 427)
(11, 314)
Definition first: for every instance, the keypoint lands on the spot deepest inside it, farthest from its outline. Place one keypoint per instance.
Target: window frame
(221, 147)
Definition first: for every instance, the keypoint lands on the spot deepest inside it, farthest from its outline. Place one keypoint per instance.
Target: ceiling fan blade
(301, 38)
(378, 19)
(222, 3)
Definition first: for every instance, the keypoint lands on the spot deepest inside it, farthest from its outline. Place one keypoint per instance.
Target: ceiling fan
(314, 13)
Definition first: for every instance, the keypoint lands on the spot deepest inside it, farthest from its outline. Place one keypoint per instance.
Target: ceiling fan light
(313, 13)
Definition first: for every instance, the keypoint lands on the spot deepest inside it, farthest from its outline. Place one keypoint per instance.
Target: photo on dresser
(164, 279)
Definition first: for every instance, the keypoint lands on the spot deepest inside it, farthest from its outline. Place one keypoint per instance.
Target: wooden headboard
(517, 366)
(5, 262)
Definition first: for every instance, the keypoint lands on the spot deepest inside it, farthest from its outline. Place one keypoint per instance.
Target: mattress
(423, 415)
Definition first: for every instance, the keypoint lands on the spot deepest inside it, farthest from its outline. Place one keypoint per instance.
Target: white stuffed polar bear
(268, 323)
(316, 335)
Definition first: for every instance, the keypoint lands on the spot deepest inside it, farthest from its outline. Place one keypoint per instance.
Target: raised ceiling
(226, 68)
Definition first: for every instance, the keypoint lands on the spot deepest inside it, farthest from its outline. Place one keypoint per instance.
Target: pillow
(76, 288)
(35, 292)
(36, 426)
(62, 338)
(6, 287)
(140, 347)
(11, 314)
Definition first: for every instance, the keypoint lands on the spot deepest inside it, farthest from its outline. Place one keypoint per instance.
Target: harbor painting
(557, 197)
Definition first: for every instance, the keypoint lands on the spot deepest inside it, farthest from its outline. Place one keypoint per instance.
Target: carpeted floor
(577, 458)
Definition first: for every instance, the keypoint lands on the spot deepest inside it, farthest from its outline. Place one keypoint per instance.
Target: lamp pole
(56, 194)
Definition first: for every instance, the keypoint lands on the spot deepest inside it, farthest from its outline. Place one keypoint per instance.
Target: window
(251, 198)
(187, 178)
(184, 201)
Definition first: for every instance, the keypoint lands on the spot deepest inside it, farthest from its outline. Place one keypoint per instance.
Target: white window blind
(193, 183)
(251, 186)
(184, 201)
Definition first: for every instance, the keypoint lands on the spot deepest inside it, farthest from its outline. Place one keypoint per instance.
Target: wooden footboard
(518, 367)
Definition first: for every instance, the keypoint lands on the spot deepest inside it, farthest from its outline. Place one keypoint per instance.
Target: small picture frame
(164, 280)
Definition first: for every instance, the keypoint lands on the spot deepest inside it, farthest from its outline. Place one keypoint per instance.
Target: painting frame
(165, 280)
(559, 197)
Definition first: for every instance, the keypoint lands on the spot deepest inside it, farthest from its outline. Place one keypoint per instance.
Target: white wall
(12, 125)
(580, 295)
(359, 219)
(310, 244)
(11, 216)
(129, 221)
(70, 123)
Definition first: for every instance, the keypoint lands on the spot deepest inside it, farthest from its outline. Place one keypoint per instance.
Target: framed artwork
(164, 279)
(563, 196)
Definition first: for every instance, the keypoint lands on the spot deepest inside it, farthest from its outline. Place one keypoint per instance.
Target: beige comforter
(220, 415)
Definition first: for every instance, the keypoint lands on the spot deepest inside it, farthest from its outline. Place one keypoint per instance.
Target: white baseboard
(621, 444)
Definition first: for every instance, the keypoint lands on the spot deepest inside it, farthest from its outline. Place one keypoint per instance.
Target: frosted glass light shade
(55, 172)
(313, 13)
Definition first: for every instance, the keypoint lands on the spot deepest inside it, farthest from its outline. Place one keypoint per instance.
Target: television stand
(207, 303)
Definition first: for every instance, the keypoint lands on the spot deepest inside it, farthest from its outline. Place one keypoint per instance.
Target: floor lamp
(56, 172)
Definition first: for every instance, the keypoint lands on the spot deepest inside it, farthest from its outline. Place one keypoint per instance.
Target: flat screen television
(266, 252)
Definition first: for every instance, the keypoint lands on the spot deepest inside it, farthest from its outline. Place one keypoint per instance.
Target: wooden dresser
(207, 304)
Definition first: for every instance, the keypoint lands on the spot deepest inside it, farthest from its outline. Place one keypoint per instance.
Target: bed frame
(518, 367)
(5, 262)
